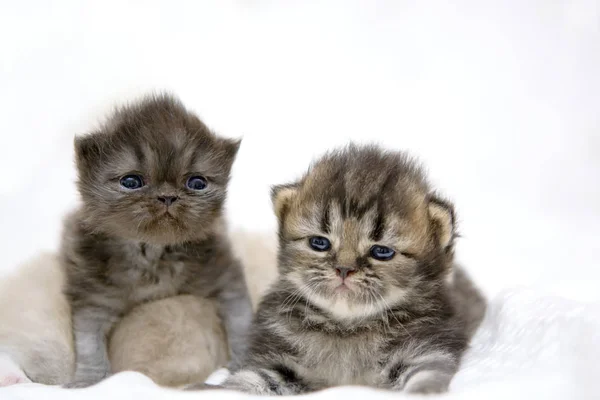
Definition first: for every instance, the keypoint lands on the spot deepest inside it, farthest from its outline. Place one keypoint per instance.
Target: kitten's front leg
(235, 310)
(429, 372)
(280, 380)
(90, 327)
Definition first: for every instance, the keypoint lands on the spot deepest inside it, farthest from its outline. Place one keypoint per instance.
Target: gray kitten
(365, 294)
(153, 181)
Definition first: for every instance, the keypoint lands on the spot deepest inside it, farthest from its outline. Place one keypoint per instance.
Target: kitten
(364, 293)
(153, 182)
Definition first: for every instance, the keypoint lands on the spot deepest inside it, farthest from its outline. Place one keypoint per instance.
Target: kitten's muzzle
(168, 200)
(344, 272)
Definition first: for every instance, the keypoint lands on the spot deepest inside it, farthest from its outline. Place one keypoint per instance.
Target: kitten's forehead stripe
(139, 153)
(367, 184)
(378, 226)
(170, 169)
(325, 220)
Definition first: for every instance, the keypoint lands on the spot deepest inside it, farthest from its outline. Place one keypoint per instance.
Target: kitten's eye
(382, 253)
(319, 243)
(132, 182)
(196, 183)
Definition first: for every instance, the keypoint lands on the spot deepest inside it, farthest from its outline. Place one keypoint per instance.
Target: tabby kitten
(153, 180)
(364, 292)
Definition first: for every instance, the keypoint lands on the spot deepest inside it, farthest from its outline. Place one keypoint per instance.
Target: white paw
(218, 377)
(10, 372)
(425, 382)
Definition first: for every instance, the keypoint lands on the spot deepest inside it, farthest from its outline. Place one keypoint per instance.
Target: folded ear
(230, 149)
(281, 196)
(441, 213)
(232, 146)
(88, 149)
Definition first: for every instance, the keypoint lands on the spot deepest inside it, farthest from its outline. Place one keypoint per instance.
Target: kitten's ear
(88, 148)
(231, 148)
(441, 213)
(281, 196)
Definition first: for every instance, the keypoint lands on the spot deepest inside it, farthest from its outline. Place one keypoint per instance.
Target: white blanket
(529, 346)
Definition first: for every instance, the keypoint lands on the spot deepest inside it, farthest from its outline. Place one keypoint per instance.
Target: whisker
(394, 315)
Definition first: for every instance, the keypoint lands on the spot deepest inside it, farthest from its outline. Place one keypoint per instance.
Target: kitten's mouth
(167, 213)
(343, 286)
(166, 217)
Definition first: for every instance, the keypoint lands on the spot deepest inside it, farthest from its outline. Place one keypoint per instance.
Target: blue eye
(319, 243)
(132, 182)
(382, 253)
(196, 183)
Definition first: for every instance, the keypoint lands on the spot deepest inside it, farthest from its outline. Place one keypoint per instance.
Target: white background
(501, 100)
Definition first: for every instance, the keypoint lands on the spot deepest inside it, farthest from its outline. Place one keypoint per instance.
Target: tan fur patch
(182, 331)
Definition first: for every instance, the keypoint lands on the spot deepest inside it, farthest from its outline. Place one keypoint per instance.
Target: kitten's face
(360, 233)
(155, 174)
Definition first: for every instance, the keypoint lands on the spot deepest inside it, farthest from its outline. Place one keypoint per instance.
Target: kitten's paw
(428, 382)
(218, 377)
(10, 373)
(250, 382)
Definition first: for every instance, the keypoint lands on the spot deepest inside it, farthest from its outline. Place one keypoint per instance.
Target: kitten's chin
(342, 289)
(342, 305)
(159, 235)
(172, 237)
(348, 302)
(164, 239)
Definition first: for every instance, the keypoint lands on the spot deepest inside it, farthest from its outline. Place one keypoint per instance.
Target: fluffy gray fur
(389, 324)
(124, 247)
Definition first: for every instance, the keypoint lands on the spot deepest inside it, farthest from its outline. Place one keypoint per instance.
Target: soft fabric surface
(529, 346)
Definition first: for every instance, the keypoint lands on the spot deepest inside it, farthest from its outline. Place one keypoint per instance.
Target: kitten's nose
(343, 272)
(168, 200)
